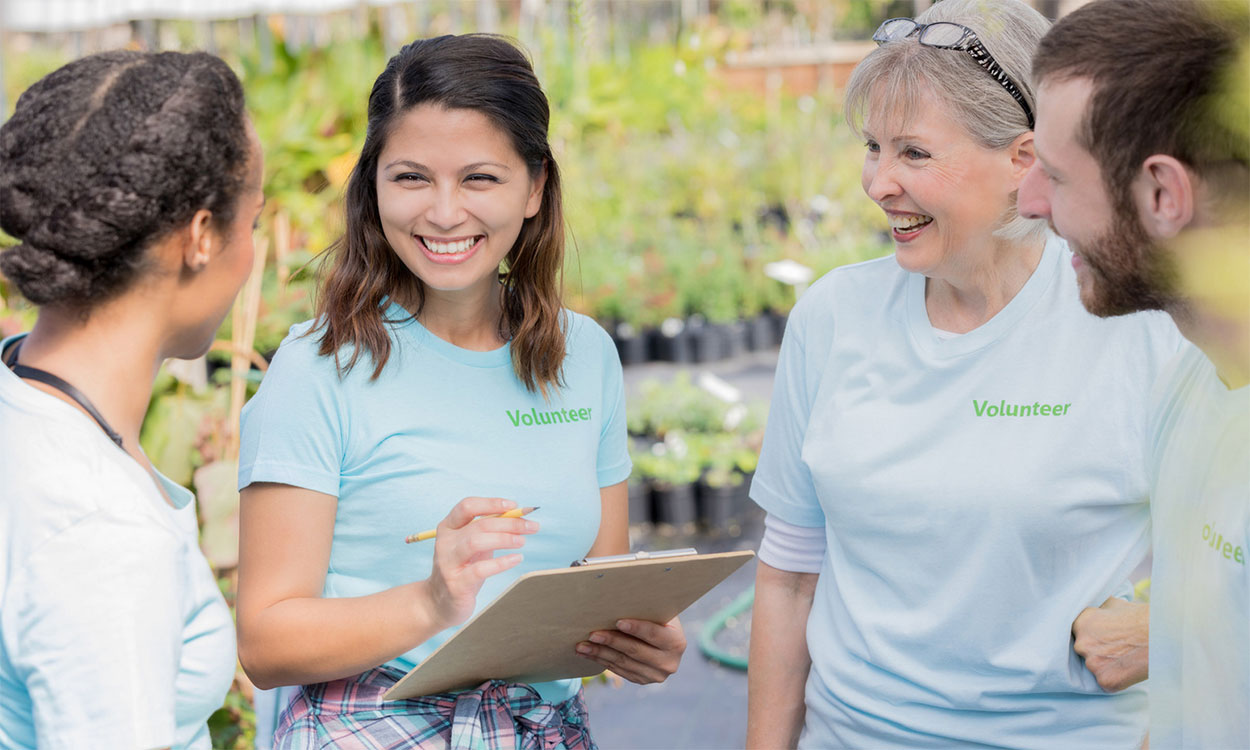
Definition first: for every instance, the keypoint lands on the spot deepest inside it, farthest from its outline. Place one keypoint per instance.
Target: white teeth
(449, 248)
(911, 221)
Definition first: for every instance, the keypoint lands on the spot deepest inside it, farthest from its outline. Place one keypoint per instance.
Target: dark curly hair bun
(109, 153)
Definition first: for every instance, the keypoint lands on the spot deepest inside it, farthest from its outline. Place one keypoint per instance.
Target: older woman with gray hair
(951, 468)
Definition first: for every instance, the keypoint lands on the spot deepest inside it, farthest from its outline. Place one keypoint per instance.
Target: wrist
(424, 611)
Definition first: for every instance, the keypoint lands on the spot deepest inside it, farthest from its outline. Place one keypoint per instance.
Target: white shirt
(1200, 587)
(113, 633)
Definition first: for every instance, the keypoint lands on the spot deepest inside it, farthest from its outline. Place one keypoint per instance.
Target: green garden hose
(707, 637)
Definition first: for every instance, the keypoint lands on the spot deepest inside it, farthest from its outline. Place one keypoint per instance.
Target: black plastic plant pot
(779, 323)
(671, 341)
(734, 338)
(719, 506)
(674, 504)
(671, 348)
(742, 497)
(639, 503)
(631, 344)
(761, 332)
(707, 342)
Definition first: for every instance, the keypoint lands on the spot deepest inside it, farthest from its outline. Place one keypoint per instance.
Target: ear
(1163, 194)
(537, 187)
(199, 249)
(1022, 156)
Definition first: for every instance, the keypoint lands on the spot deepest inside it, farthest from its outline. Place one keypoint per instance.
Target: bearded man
(1143, 145)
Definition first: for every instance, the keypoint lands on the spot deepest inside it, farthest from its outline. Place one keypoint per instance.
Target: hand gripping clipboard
(529, 632)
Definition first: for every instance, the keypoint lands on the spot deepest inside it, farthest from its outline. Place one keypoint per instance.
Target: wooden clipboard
(529, 632)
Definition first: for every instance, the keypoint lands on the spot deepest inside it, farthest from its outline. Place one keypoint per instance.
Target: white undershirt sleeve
(797, 549)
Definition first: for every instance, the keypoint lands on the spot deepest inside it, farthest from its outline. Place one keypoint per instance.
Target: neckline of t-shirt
(48, 405)
(923, 332)
(403, 321)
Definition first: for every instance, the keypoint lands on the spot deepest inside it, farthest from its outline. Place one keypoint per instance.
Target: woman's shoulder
(588, 349)
(582, 333)
(80, 492)
(854, 289)
(301, 353)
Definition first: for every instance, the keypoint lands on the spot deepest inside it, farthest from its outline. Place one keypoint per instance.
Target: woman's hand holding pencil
(431, 533)
(465, 544)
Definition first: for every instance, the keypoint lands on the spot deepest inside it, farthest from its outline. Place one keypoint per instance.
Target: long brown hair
(488, 74)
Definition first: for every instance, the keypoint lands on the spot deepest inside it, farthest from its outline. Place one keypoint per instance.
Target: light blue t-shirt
(113, 633)
(1199, 453)
(977, 492)
(440, 424)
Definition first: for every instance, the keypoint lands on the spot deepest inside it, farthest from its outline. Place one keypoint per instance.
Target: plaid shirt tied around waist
(350, 714)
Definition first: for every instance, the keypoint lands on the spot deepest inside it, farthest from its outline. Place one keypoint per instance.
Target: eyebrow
(895, 139)
(466, 168)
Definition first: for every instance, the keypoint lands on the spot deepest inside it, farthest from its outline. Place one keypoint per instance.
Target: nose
(878, 179)
(446, 210)
(1032, 201)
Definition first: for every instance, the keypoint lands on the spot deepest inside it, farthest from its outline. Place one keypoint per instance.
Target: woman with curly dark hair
(132, 181)
(441, 382)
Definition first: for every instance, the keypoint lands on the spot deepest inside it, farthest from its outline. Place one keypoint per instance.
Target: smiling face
(453, 194)
(943, 193)
(1119, 268)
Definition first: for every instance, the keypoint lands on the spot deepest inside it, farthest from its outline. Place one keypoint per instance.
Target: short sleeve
(95, 618)
(613, 464)
(782, 484)
(291, 431)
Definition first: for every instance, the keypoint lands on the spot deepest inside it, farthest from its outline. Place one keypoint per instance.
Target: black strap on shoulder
(47, 378)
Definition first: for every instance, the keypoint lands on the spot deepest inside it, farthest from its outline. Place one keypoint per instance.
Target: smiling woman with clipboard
(440, 382)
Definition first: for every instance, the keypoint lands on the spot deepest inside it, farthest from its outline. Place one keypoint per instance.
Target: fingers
(1078, 625)
(465, 538)
(493, 565)
(632, 669)
(663, 637)
(505, 526)
(475, 543)
(463, 512)
(641, 652)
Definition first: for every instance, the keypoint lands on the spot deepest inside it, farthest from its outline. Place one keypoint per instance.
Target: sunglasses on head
(946, 35)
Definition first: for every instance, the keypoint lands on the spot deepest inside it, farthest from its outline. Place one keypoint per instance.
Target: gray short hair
(904, 73)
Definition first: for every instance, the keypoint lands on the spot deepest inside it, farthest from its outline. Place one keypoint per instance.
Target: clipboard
(528, 633)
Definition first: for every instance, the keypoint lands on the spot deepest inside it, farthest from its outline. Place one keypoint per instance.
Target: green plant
(678, 405)
(668, 465)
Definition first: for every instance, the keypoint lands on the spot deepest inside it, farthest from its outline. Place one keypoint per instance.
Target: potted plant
(720, 488)
(672, 472)
(721, 485)
(745, 458)
(639, 492)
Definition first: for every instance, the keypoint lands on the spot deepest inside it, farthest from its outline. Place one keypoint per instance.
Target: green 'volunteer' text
(1217, 542)
(1004, 409)
(538, 418)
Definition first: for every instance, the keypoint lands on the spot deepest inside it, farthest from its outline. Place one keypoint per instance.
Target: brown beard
(1130, 271)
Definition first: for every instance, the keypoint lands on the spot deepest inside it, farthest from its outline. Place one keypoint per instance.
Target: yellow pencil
(514, 513)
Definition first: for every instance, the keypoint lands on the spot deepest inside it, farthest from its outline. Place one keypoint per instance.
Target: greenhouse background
(709, 177)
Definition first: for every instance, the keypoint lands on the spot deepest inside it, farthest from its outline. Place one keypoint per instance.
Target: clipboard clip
(639, 555)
